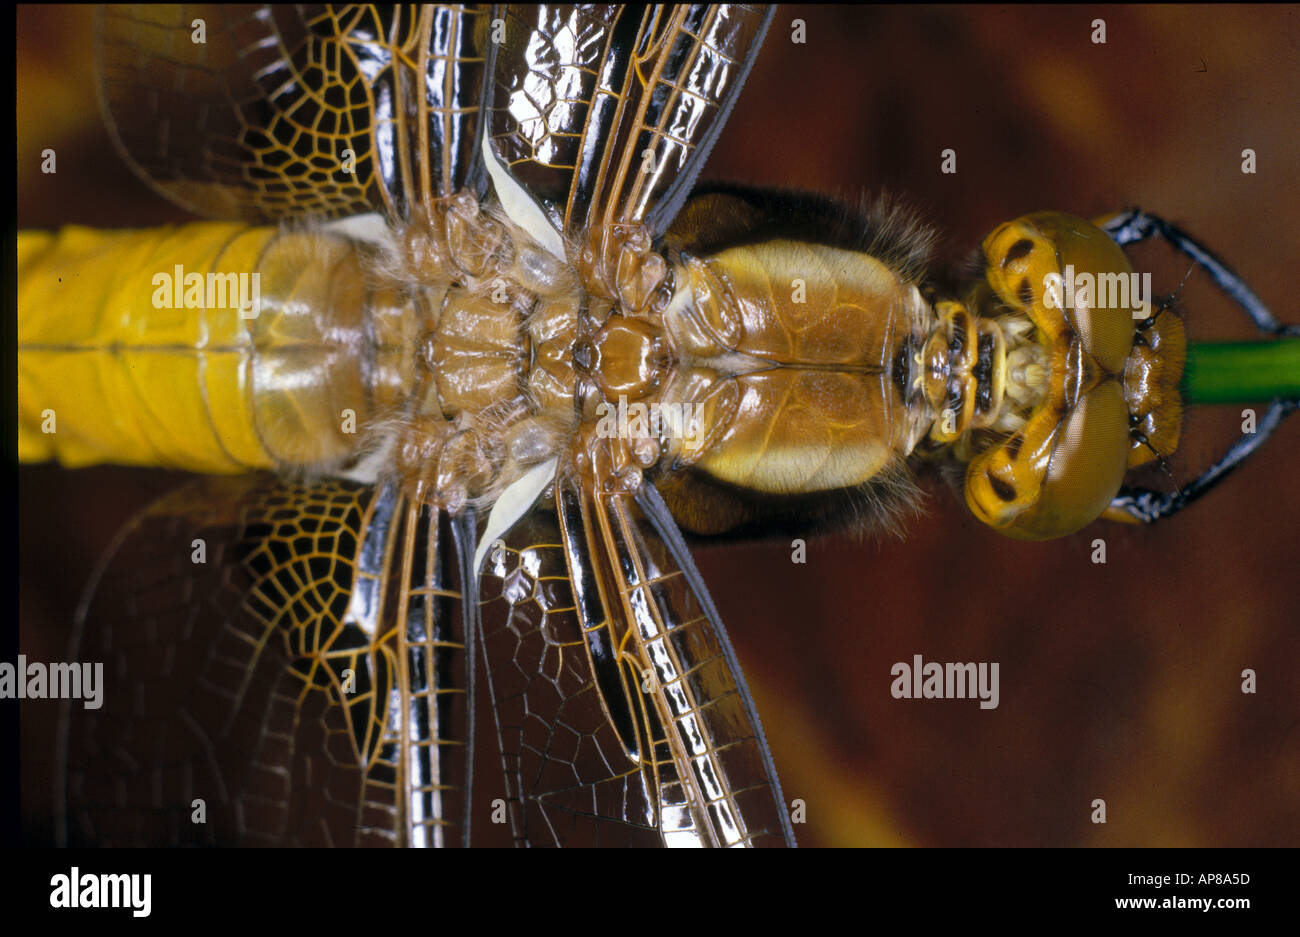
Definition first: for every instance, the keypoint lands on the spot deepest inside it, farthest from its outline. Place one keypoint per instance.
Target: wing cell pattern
(278, 112)
(283, 666)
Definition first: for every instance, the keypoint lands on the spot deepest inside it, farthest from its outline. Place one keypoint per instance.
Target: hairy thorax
(769, 367)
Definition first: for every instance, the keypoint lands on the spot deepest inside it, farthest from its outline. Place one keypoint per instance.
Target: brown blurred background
(1119, 682)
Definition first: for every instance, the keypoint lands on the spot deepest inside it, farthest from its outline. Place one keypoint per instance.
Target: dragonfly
(189, 512)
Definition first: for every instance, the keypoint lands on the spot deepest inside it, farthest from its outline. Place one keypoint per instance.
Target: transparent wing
(568, 779)
(605, 114)
(621, 712)
(283, 665)
(638, 588)
(268, 112)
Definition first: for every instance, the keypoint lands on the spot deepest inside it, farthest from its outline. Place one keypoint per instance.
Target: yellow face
(1059, 471)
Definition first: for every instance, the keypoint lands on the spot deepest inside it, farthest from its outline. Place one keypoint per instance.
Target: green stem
(1242, 372)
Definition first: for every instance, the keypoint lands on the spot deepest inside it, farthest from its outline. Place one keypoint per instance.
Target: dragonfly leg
(1135, 225)
(1143, 505)
(1146, 506)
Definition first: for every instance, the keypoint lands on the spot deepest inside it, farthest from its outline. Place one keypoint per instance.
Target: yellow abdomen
(210, 347)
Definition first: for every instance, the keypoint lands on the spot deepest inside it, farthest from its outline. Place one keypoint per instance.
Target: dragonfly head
(1084, 371)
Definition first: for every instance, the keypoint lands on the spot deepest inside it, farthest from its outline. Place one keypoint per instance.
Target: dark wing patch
(287, 654)
(258, 121)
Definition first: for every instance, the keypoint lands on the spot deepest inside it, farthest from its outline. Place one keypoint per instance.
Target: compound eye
(1029, 499)
(1088, 465)
(1068, 275)
(1105, 291)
